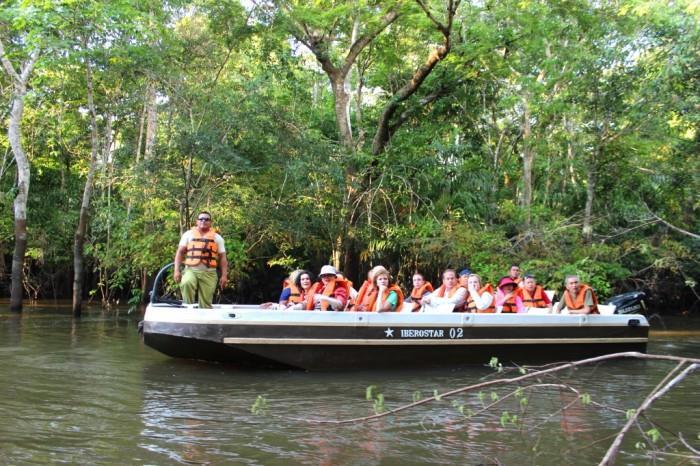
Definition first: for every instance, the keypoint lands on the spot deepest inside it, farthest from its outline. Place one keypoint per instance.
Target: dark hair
(297, 281)
(529, 275)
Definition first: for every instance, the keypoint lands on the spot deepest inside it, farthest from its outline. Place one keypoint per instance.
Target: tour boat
(249, 336)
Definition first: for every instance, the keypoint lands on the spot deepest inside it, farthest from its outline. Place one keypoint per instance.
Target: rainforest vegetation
(417, 134)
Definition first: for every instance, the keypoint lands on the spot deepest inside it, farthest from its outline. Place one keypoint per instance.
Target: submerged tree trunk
(14, 134)
(79, 241)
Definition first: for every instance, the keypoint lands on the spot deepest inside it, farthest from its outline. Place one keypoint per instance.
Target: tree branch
(655, 394)
(365, 39)
(673, 227)
(538, 373)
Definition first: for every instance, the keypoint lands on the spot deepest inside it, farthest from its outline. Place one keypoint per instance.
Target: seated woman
(449, 294)
(298, 290)
(479, 298)
(289, 289)
(508, 297)
(366, 292)
(420, 289)
(328, 294)
(533, 295)
(388, 297)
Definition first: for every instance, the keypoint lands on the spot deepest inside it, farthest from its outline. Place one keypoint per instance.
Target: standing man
(578, 298)
(202, 250)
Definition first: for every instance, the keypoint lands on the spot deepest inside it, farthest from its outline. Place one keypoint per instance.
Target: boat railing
(158, 285)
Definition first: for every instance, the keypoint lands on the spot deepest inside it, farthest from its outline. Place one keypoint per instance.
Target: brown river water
(89, 392)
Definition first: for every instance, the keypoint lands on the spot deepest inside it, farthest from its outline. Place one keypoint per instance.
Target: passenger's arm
(482, 302)
(456, 299)
(391, 302)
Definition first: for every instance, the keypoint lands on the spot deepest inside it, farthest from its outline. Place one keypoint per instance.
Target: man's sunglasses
(203, 219)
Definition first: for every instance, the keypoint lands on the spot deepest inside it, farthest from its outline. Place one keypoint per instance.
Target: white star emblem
(389, 332)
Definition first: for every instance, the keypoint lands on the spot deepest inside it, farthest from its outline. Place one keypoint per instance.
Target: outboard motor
(629, 303)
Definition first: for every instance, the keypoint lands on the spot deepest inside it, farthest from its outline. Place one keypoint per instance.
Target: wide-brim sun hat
(327, 270)
(506, 281)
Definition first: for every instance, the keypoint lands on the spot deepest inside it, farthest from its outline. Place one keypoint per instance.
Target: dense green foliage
(603, 99)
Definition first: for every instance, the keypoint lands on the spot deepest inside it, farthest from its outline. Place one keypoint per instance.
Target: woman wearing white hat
(330, 293)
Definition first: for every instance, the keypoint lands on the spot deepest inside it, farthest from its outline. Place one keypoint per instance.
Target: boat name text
(431, 333)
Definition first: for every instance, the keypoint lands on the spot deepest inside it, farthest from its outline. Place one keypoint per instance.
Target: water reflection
(87, 391)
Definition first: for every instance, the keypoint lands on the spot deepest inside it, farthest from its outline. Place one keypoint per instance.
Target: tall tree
(20, 81)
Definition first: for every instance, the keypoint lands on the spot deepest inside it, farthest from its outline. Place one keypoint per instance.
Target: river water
(89, 392)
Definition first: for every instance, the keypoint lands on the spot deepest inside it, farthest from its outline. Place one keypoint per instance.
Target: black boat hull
(255, 338)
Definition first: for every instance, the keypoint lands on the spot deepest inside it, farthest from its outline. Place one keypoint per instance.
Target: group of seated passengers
(462, 292)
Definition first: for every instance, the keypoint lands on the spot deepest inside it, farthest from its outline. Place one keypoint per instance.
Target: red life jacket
(534, 300)
(372, 300)
(202, 249)
(470, 304)
(418, 293)
(580, 300)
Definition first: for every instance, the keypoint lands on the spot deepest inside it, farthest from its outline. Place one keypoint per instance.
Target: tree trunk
(528, 160)
(342, 105)
(20, 202)
(79, 242)
(151, 120)
(14, 134)
(590, 195)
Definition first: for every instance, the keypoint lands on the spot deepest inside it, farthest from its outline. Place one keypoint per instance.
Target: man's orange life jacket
(470, 304)
(440, 292)
(580, 300)
(202, 249)
(373, 299)
(327, 290)
(535, 299)
(417, 295)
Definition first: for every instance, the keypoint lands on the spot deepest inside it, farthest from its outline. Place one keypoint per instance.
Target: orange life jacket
(297, 295)
(417, 295)
(202, 249)
(440, 292)
(580, 300)
(366, 290)
(534, 300)
(509, 306)
(373, 299)
(327, 290)
(470, 304)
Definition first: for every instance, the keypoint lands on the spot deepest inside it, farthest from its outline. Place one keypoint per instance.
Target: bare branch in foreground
(538, 373)
(655, 394)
